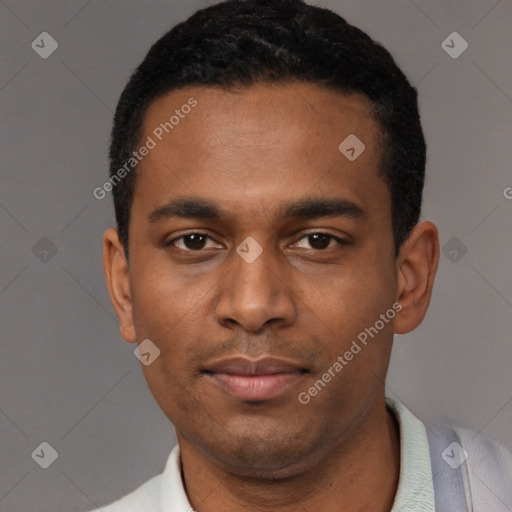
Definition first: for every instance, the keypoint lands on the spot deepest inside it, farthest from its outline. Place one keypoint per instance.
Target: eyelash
(339, 240)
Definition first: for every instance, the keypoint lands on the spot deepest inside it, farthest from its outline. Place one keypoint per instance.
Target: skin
(252, 151)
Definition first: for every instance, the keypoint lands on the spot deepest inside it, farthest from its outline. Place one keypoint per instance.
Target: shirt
(415, 491)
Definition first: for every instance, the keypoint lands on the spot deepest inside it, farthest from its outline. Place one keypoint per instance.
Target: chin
(265, 457)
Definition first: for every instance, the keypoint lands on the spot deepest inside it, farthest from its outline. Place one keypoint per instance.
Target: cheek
(347, 301)
(170, 311)
(161, 300)
(171, 391)
(347, 307)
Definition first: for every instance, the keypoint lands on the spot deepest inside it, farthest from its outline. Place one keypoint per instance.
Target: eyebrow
(306, 208)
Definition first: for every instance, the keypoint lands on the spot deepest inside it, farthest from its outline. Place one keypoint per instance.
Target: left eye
(192, 241)
(321, 241)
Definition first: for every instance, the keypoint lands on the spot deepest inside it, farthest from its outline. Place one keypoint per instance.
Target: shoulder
(489, 464)
(484, 465)
(153, 495)
(484, 452)
(478, 448)
(145, 497)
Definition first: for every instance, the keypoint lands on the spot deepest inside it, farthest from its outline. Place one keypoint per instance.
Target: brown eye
(194, 241)
(191, 242)
(320, 241)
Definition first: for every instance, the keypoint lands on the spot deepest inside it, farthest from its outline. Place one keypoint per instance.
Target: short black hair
(240, 43)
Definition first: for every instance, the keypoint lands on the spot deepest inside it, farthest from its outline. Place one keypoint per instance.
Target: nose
(256, 294)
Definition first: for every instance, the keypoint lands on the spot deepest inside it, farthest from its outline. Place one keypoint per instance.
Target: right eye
(191, 242)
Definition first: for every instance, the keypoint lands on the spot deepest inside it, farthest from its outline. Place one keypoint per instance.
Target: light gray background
(66, 375)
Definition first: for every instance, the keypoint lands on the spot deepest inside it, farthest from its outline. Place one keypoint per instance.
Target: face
(259, 255)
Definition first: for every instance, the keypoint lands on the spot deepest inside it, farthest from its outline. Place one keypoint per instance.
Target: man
(267, 167)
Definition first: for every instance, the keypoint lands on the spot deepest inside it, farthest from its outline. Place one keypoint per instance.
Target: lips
(254, 380)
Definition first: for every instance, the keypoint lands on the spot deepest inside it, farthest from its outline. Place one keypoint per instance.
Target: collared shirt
(166, 493)
(415, 486)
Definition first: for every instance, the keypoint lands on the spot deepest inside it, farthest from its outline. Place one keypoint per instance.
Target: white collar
(415, 486)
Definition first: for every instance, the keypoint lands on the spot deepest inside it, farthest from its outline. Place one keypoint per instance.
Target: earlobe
(416, 269)
(117, 276)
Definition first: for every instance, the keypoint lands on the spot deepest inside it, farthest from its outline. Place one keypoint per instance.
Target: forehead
(262, 141)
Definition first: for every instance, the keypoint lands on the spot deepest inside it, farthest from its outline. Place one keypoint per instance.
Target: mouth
(255, 380)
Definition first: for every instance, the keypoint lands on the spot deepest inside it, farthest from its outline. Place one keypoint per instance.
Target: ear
(115, 267)
(416, 269)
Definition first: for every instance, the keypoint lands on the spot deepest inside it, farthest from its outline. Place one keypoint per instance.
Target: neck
(360, 474)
